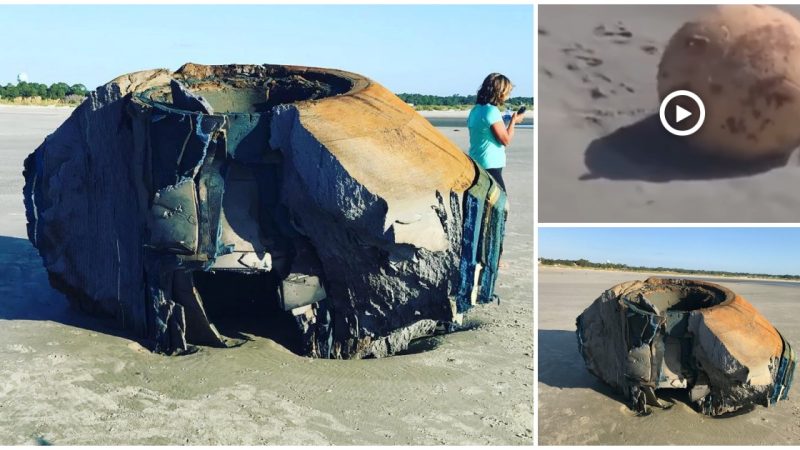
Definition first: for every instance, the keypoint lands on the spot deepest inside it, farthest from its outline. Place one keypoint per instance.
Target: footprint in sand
(596, 93)
(627, 88)
(577, 48)
(584, 62)
(602, 76)
(621, 35)
(617, 33)
(580, 56)
(590, 61)
(649, 49)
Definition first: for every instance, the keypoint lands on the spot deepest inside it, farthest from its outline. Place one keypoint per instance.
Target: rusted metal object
(685, 334)
(168, 198)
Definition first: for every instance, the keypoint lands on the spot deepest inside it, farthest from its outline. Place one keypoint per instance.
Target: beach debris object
(661, 333)
(169, 199)
(743, 61)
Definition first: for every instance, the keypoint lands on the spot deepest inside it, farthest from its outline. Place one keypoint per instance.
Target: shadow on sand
(646, 151)
(26, 294)
(561, 366)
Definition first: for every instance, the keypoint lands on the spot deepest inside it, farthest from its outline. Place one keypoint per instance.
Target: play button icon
(682, 113)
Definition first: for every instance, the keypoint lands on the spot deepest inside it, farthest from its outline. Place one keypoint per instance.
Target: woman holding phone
(488, 134)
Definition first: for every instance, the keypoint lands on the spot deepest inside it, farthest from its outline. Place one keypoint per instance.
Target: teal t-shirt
(483, 147)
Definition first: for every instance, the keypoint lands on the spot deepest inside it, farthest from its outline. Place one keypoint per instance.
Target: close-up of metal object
(644, 336)
(313, 200)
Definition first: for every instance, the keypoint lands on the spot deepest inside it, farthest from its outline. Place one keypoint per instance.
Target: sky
(426, 49)
(755, 250)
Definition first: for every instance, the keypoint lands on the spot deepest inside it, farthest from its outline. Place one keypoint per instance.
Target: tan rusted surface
(626, 287)
(746, 334)
(373, 121)
(142, 80)
(744, 63)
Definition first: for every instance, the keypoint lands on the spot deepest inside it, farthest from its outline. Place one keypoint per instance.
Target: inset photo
(668, 336)
(668, 113)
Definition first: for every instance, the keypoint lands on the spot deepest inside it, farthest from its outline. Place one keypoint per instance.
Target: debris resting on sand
(685, 334)
(743, 61)
(169, 199)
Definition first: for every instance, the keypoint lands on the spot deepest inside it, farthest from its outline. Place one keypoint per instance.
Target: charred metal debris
(294, 197)
(640, 337)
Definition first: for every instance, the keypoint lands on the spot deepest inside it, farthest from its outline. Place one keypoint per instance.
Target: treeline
(612, 266)
(56, 91)
(456, 100)
(76, 92)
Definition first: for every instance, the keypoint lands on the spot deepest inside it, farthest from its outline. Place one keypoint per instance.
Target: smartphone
(521, 110)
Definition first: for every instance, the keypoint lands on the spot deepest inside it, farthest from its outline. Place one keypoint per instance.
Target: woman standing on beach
(488, 134)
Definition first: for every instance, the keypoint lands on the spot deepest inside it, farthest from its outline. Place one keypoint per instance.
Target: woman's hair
(494, 89)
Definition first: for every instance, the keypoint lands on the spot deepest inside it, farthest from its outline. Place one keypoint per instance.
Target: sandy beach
(603, 155)
(445, 114)
(576, 408)
(458, 118)
(668, 274)
(70, 379)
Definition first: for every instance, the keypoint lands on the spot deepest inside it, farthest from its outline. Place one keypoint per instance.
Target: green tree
(58, 90)
(11, 91)
(457, 100)
(77, 89)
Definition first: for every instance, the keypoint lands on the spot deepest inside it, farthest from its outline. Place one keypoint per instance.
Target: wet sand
(603, 155)
(576, 408)
(69, 379)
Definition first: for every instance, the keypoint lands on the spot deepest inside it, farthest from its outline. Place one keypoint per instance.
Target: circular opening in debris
(681, 298)
(261, 89)
(681, 295)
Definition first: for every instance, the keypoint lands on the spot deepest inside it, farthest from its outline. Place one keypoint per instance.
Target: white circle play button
(682, 113)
